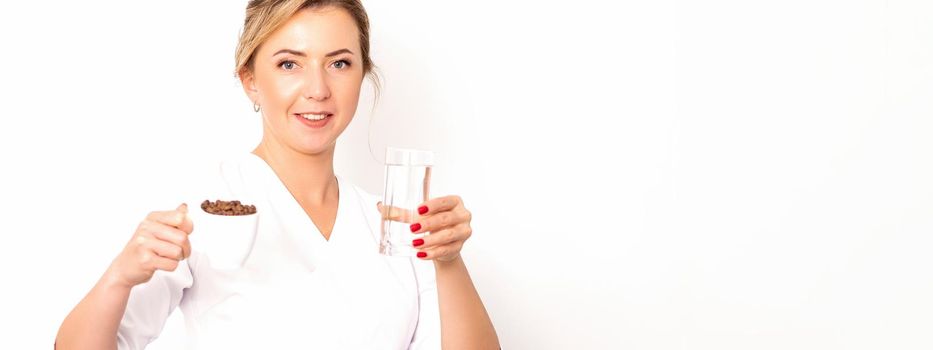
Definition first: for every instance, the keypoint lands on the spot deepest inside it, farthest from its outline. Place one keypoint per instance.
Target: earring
(255, 107)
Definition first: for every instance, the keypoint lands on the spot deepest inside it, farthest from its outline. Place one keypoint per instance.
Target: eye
(288, 65)
(341, 64)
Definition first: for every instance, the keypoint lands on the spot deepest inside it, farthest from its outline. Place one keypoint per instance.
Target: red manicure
(422, 209)
(422, 255)
(417, 242)
(415, 227)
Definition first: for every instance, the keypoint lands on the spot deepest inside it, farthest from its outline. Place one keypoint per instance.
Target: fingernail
(422, 209)
(415, 227)
(417, 242)
(422, 255)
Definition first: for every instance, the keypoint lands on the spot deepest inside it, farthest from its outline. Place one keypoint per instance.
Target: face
(309, 68)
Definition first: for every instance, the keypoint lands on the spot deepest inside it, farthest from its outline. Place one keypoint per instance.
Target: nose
(316, 85)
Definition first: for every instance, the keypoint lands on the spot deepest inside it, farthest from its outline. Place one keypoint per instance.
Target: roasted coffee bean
(220, 207)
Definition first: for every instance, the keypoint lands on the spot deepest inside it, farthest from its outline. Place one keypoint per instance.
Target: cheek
(279, 93)
(348, 96)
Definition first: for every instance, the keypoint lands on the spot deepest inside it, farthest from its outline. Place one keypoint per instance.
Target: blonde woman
(313, 278)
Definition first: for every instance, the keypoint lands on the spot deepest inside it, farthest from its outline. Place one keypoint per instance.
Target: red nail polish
(422, 209)
(422, 255)
(417, 242)
(415, 227)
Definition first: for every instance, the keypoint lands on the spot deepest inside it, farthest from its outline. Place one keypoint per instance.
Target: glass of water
(407, 184)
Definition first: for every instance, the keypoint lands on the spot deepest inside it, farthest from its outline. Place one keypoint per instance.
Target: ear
(248, 81)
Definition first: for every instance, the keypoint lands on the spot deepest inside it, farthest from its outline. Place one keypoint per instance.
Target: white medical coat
(295, 290)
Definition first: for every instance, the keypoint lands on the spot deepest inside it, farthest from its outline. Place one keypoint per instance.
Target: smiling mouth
(315, 116)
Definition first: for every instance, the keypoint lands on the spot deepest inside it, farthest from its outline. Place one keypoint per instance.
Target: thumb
(186, 225)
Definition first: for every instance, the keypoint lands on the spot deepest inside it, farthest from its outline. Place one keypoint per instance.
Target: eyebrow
(302, 54)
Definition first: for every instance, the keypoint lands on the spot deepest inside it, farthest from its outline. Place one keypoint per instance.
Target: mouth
(314, 119)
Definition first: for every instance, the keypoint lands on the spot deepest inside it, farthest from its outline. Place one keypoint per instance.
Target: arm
(93, 323)
(464, 322)
(160, 243)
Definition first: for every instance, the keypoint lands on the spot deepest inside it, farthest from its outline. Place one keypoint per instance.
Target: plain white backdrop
(643, 175)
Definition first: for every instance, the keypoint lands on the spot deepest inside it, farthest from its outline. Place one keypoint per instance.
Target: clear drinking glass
(407, 184)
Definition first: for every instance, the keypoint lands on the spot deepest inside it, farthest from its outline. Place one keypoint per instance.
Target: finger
(439, 221)
(186, 225)
(153, 231)
(175, 237)
(171, 217)
(393, 213)
(445, 252)
(164, 264)
(165, 249)
(167, 233)
(443, 237)
(440, 204)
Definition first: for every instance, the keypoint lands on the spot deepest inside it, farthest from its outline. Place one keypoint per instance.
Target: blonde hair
(263, 17)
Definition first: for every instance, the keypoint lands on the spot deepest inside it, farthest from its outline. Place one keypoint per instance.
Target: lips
(314, 120)
(312, 111)
(321, 115)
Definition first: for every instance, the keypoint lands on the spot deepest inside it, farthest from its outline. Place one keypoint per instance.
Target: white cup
(222, 242)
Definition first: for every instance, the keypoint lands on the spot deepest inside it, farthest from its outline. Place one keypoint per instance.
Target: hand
(159, 243)
(445, 218)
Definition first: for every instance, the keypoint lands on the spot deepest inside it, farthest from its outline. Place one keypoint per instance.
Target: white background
(643, 174)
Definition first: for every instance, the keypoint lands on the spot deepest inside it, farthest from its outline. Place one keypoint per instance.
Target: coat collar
(296, 225)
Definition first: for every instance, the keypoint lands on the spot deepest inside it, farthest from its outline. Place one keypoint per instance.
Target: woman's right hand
(160, 242)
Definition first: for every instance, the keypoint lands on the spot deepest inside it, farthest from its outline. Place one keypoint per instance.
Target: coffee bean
(229, 208)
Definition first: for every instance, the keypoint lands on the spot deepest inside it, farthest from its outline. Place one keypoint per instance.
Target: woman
(313, 277)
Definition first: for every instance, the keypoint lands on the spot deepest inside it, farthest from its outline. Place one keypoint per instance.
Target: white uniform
(295, 290)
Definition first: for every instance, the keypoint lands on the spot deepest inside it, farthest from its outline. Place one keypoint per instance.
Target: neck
(309, 177)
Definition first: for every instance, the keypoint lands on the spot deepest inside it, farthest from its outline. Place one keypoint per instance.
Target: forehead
(315, 31)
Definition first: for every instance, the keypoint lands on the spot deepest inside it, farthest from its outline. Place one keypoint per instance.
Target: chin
(315, 149)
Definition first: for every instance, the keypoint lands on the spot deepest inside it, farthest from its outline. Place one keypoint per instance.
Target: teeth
(314, 116)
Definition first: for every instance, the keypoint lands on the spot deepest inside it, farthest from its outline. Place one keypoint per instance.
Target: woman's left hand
(446, 219)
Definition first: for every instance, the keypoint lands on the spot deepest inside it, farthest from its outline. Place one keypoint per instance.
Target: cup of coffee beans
(227, 208)
(224, 233)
